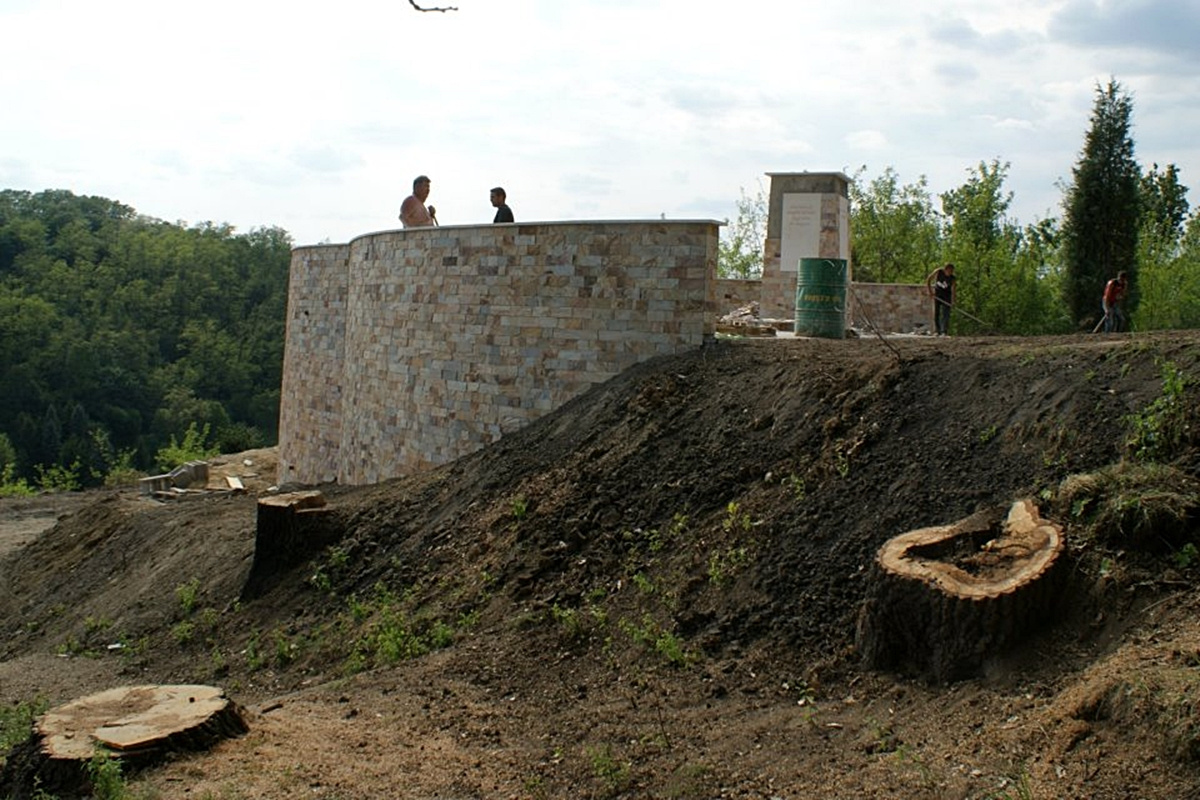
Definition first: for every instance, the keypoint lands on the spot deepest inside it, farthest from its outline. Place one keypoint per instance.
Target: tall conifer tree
(1100, 224)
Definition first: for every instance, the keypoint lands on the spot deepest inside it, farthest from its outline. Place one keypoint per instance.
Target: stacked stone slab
(408, 349)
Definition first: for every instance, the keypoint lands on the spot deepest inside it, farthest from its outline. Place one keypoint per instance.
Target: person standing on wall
(1114, 296)
(940, 285)
(413, 212)
(503, 212)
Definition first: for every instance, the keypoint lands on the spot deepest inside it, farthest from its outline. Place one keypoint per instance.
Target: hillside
(654, 591)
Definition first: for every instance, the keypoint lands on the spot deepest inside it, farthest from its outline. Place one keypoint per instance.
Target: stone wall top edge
(523, 224)
(322, 246)
(841, 175)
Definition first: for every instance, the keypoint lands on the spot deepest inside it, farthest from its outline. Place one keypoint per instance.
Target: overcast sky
(315, 117)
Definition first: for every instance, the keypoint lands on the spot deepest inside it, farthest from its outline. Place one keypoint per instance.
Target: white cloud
(316, 117)
(866, 140)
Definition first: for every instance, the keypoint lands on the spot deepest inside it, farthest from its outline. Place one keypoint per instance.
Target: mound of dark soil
(652, 592)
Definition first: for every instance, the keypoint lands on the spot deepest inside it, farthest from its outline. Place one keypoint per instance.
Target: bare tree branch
(413, 3)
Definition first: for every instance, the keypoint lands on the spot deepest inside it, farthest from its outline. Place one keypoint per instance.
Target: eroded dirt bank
(653, 592)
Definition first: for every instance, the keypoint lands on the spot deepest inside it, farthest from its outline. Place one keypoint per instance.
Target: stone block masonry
(409, 349)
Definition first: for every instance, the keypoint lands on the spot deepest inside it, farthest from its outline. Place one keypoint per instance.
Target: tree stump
(135, 725)
(291, 528)
(945, 599)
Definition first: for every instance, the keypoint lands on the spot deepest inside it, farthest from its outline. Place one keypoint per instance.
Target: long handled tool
(965, 314)
(1100, 324)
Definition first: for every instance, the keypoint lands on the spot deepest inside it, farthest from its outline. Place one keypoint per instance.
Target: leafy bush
(11, 485)
(193, 448)
(58, 478)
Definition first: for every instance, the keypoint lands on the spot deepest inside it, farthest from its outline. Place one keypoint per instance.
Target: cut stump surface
(134, 720)
(137, 725)
(946, 598)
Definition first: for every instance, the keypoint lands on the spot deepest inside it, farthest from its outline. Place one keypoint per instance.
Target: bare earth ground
(606, 624)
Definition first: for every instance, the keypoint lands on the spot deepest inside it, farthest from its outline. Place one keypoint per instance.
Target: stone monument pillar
(808, 216)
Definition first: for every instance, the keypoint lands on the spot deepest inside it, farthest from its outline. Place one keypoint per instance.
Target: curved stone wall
(408, 349)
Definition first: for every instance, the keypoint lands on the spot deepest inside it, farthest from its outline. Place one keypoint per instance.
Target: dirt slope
(653, 592)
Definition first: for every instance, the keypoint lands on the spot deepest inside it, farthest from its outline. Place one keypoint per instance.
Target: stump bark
(137, 725)
(945, 599)
(291, 528)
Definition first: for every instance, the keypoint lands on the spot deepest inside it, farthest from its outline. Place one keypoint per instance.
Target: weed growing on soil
(389, 634)
(519, 506)
(1186, 556)
(613, 774)
(796, 484)
(186, 594)
(723, 566)
(643, 584)
(254, 656)
(183, 632)
(1158, 431)
(913, 760)
(104, 773)
(16, 722)
(735, 519)
(569, 620)
(1021, 787)
(654, 637)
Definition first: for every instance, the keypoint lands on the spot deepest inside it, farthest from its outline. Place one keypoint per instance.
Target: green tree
(895, 232)
(1006, 274)
(1166, 279)
(1100, 225)
(740, 251)
(977, 237)
(147, 325)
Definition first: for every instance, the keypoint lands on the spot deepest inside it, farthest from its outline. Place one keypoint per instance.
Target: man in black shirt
(940, 285)
(503, 212)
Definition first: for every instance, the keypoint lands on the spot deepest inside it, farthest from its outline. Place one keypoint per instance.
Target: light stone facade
(891, 307)
(408, 349)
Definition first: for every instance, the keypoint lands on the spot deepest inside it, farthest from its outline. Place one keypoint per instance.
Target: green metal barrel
(821, 285)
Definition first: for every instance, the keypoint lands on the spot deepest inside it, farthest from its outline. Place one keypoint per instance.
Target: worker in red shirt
(1114, 295)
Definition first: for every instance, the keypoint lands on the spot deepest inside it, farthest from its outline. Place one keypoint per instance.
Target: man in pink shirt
(413, 212)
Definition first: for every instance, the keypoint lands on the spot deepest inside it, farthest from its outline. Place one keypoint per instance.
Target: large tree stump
(136, 725)
(291, 529)
(945, 599)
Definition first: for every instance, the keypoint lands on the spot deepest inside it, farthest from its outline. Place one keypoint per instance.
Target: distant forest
(122, 335)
